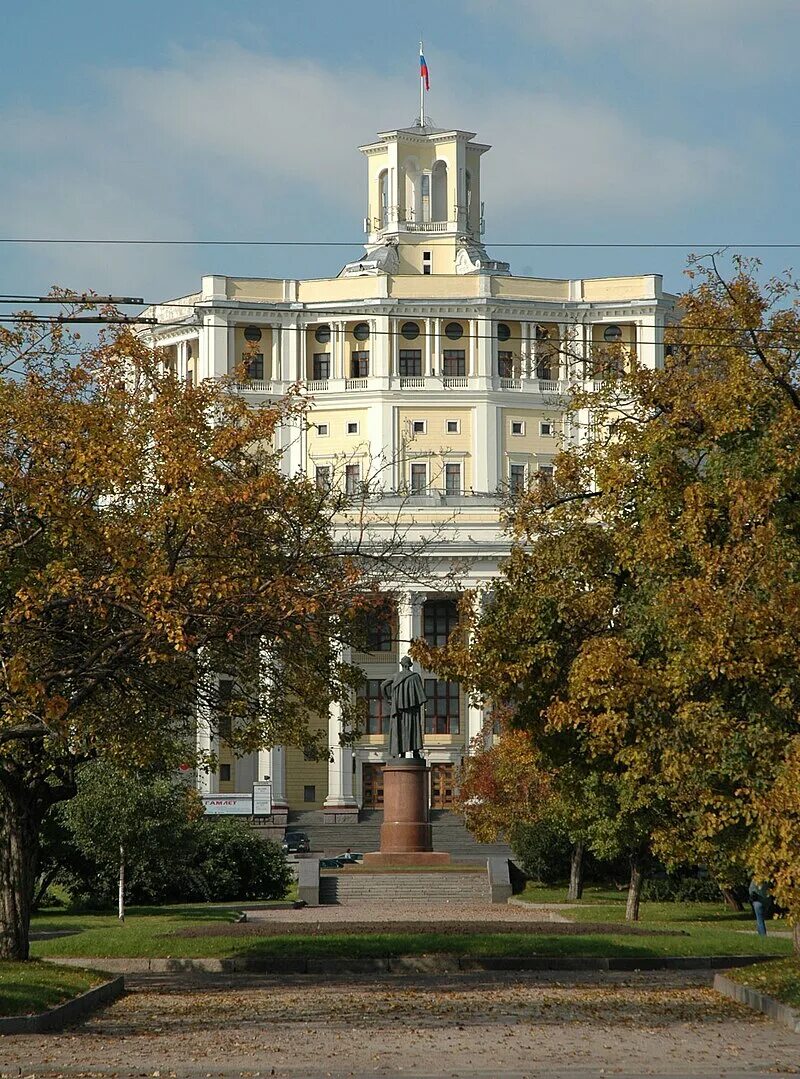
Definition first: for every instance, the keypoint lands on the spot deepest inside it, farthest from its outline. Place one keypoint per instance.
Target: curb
(759, 1002)
(63, 1015)
(434, 963)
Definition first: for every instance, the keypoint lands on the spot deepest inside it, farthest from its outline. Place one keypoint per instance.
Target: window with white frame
(546, 427)
(516, 477)
(452, 478)
(419, 478)
(453, 427)
(352, 427)
(419, 427)
(352, 479)
(322, 477)
(518, 427)
(322, 429)
(545, 470)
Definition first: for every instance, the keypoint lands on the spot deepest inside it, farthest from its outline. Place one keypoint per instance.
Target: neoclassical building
(437, 375)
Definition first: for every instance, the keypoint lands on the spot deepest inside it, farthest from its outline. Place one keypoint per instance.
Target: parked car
(296, 843)
(330, 863)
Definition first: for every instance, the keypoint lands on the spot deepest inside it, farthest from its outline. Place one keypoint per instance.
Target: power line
(603, 245)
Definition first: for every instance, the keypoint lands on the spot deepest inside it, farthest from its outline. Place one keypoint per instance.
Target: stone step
(451, 887)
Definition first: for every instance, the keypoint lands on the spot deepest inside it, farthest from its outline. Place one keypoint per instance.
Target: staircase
(449, 834)
(356, 885)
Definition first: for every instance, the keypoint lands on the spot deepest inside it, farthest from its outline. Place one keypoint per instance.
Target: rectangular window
(322, 477)
(426, 268)
(439, 619)
(546, 471)
(410, 362)
(442, 708)
(418, 426)
(376, 705)
(254, 365)
(454, 362)
(225, 773)
(379, 634)
(546, 427)
(516, 477)
(352, 479)
(517, 427)
(322, 429)
(309, 793)
(322, 365)
(452, 479)
(352, 427)
(453, 427)
(419, 478)
(505, 364)
(359, 364)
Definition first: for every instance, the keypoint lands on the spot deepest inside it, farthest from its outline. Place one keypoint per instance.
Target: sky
(611, 122)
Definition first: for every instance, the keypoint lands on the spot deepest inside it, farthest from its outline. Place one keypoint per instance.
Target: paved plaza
(554, 1025)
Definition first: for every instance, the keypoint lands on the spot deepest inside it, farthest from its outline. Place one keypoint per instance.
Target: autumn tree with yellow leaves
(650, 608)
(149, 541)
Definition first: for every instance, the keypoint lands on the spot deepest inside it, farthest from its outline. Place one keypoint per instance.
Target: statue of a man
(405, 691)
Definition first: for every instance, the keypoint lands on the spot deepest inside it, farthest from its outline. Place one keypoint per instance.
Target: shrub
(232, 863)
(543, 851)
(681, 887)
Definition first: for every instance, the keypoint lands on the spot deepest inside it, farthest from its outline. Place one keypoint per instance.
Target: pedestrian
(759, 897)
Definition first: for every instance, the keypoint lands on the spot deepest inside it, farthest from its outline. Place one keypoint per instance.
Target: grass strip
(779, 979)
(33, 987)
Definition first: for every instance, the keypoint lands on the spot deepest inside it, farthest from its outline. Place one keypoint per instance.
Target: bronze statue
(405, 691)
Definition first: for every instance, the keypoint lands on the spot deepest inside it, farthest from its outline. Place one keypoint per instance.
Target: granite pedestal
(406, 837)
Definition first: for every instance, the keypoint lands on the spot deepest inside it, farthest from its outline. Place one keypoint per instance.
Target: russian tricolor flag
(423, 71)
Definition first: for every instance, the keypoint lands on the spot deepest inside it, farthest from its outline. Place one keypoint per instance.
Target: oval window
(252, 333)
(410, 330)
(612, 333)
(454, 330)
(322, 334)
(503, 331)
(361, 331)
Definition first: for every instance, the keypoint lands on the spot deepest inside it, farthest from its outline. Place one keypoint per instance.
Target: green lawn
(780, 979)
(703, 929)
(32, 987)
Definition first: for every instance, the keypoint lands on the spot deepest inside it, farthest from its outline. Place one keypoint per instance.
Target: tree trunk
(20, 817)
(121, 892)
(576, 872)
(731, 900)
(634, 890)
(796, 938)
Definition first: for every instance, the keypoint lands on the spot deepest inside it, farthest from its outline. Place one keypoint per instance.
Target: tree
(650, 609)
(131, 826)
(149, 541)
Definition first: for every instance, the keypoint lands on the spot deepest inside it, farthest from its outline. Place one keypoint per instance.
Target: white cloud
(735, 38)
(226, 142)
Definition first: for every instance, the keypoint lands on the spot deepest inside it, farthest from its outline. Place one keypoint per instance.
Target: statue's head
(405, 662)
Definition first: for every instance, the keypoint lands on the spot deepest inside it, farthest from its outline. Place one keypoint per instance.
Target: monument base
(379, 860)
(406, 830)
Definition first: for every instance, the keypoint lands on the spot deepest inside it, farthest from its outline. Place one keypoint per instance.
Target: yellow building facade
(436, 376)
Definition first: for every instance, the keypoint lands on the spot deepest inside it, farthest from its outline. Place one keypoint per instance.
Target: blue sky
(611, 121)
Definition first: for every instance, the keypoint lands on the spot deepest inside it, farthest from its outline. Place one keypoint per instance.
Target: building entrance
(442, 786)
(372, 786)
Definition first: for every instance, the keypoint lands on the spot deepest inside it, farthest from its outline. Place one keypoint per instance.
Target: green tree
(149, 539)
(131, 827)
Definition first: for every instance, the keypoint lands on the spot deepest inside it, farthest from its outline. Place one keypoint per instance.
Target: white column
(573, 360)
(409, 621)
(340, 802)
(292, 339)
(203, 738)
(476, 718)
(379, 358)
(277, 373)
(481, 349)
(232, 357)
(272, 763)
(337, 351)
(431, 356)
(213, 359)
(486, 448)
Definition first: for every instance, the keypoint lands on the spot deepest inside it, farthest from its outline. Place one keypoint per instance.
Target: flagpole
(421, 89)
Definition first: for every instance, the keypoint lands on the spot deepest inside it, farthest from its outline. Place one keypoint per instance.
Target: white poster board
(262, 799)
(228, 804)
